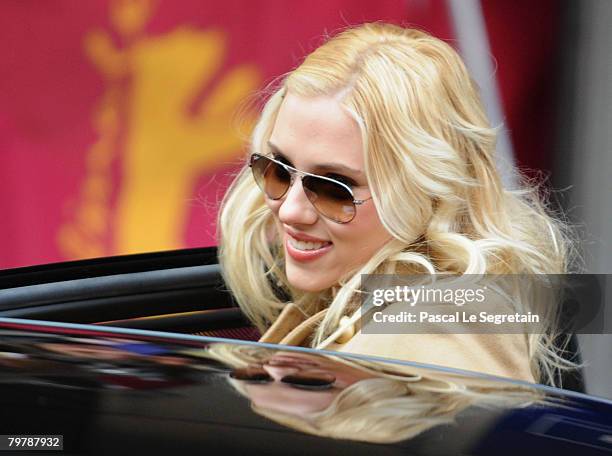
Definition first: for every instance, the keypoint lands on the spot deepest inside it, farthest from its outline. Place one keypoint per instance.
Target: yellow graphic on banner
(145, 113)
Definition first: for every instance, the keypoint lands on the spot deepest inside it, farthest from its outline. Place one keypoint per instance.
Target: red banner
(118, 119)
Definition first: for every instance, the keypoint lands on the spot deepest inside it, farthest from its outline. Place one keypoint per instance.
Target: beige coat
(504, 355)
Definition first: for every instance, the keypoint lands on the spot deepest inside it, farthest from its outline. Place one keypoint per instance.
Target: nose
(277, 372)
(295, 208)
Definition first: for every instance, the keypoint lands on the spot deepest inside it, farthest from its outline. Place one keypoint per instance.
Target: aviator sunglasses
(331, 198)
(301, 380)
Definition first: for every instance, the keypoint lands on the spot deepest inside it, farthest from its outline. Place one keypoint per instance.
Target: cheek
(362, 237)
(274, 207)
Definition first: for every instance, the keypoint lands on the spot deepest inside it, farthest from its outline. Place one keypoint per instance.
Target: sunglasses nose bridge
(293, 173)
(296, 207)
(278, 372)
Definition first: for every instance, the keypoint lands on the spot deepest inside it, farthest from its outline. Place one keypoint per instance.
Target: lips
(303, 237)
(305, 248)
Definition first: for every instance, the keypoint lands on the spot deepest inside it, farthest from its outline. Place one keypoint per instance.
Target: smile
(306, 250)
(306, 245)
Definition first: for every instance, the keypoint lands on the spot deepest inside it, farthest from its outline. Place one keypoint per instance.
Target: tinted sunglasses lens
(271, 177)
(310, 381)
(331, 199)
(251, 375)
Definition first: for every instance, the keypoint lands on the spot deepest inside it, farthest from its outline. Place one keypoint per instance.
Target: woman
(375, 156)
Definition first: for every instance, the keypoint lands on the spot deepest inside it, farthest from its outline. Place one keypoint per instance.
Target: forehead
(310, 130)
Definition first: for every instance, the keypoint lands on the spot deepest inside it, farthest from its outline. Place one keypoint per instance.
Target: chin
(308, 282)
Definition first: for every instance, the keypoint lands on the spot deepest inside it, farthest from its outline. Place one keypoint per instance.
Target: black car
(149, 353)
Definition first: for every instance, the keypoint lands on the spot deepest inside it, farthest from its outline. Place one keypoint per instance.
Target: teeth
(302, 245)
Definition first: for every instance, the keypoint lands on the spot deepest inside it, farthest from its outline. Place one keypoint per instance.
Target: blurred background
(122, 121)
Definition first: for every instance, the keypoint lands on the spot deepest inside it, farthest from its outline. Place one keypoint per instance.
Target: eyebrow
(338, 167)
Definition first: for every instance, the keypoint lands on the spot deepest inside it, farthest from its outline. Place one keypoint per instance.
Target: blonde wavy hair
(382, 410)
(429, 160)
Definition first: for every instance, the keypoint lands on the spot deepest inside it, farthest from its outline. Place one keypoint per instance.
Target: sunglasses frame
(293, 172)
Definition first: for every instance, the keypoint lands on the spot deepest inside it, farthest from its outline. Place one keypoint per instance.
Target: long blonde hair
(429, 158)
(381, 410)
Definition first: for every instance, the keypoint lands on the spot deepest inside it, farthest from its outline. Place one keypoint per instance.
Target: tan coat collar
(503, 355)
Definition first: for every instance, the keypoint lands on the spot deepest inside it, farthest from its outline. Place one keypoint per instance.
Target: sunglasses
(302, 380)
(331, 198)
